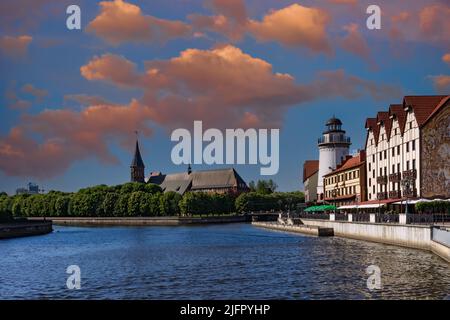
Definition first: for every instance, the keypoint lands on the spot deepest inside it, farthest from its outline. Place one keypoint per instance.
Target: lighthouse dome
(334, 121)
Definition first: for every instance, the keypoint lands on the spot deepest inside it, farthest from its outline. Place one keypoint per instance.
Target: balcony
(411, 193)
(410, 174)
(395, 194)
(334, 139)
(395, 177)
(382, 180)
(382, 195)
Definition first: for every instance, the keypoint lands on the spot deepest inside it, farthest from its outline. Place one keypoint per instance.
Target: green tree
(110, 202)
(62, 205)
(169, 203)
(121, 208)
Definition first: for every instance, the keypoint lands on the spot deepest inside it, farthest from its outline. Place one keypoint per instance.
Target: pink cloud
(15, 47)
(112, 68)
(441, 83)
(68, 136)
(435, 23)
(446, 58)
(294, 25)
(355, 43)
(38, 94)
(224, 87)
(120, 22)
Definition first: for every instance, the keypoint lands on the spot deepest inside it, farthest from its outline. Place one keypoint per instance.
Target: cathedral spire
(137, 165)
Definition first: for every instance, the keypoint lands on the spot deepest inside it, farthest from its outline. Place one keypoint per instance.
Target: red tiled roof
(378, 201)
(383, 116)
(423, 106)
(310, 167)
(371, 124)
(397, 111)
(438, 107)
(350, 163)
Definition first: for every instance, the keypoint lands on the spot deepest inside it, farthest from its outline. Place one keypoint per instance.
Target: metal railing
(334, 139)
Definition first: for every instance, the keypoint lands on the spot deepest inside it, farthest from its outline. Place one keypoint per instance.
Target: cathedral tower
(137, 166)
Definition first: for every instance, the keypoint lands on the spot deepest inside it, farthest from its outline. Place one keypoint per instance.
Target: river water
(233, 261)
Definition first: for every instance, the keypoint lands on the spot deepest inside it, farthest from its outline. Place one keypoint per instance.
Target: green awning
(320, 208)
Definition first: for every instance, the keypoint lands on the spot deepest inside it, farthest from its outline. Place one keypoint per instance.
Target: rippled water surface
(234, 261)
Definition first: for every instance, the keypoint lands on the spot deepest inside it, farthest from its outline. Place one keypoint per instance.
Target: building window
(385, 170)
(413, 145)
(393, 168)
(381, 156)
(373, 173)
(381, 172)
(370, 167)
(410, 125)
(407, 165)
(407, 146)
(385, 153)
(393, 151)
(414, 164)
(398, 167)
(398, 150)
(370, 182)
(373, 189)
(373, 158)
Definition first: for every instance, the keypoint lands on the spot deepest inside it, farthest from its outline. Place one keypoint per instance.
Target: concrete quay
(25, 229)
(425, 237)
(304, 229)
(144, 221)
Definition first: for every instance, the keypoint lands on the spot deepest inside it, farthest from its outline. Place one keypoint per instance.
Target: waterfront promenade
(426, 237)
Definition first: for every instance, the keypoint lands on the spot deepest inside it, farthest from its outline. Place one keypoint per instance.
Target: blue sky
(57, 142)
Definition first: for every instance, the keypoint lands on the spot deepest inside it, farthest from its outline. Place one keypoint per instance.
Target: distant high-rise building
(31, 189)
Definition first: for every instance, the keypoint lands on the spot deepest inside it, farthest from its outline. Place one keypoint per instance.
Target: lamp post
(406, 186)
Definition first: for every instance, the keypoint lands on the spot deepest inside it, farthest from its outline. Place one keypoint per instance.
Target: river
(232, 261)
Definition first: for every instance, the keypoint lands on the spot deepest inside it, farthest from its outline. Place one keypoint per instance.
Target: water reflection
(235, 261)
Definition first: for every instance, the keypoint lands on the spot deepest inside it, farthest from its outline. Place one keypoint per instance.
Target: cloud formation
(294, 25)
(224, 86)
(15, 47)
(19, 103)
(446, 58)
(355, 43)
(112, 68)
(441, 83)
(68, 136)
(120, 22)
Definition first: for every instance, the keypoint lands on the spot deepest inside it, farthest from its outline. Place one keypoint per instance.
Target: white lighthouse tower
(333, 148)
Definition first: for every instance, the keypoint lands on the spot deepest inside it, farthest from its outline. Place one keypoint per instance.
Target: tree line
(139, 200)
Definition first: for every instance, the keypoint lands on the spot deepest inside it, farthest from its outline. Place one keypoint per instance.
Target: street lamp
(406, 187)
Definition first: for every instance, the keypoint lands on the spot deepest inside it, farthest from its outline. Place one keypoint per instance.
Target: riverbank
(25, 229)
(304, 229)
(423, 237)
(145, 221)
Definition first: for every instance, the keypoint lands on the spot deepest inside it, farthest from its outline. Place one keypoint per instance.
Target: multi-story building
(310, 176)
(347, 184)
(394, 149)
(333, 148)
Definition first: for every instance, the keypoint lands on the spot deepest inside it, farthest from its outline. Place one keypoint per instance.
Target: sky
(71, 100)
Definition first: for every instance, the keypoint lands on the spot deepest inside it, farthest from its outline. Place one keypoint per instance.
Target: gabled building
(210, 181)
(347, 184)
(400, 144)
